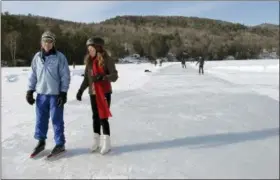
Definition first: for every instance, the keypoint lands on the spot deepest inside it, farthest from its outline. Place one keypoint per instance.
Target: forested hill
(151, 36)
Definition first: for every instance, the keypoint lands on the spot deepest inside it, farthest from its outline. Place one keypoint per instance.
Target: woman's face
(91, 51)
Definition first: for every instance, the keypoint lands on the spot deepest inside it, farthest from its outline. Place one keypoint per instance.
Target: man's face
(47, 44)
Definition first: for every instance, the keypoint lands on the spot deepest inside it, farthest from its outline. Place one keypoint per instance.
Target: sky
(244, 12)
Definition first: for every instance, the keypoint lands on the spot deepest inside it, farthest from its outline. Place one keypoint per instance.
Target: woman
(100, 71)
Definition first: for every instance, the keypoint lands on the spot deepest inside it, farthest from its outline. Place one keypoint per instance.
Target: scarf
(44, 53)
(101, 87)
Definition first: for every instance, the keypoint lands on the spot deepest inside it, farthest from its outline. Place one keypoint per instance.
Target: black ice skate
(57, 150)
(39, 148)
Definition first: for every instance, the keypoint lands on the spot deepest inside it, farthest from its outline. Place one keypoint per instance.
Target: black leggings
(97, 122)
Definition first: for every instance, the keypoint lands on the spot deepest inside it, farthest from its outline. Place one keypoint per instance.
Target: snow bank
(253, 68)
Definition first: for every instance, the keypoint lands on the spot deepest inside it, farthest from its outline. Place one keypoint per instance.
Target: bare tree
(11, 41)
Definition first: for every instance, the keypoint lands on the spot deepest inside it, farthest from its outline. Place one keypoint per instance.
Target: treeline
(150, 36)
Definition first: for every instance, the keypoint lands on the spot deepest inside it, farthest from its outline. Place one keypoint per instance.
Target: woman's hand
(98, 77)
(79, 95)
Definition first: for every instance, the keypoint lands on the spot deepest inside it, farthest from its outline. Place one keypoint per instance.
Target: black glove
(106, 78)
(98, 77)
(79, 95)
(29, 97)
(62, 99)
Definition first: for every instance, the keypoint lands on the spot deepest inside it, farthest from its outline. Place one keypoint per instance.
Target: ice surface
(171, 123)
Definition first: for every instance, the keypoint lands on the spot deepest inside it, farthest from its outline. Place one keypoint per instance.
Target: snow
(170, 123)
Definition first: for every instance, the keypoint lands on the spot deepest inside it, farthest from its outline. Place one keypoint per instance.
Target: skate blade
(55, 156)
(38, 155)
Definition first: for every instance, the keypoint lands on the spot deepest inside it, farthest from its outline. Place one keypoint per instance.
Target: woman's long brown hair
(100, 58)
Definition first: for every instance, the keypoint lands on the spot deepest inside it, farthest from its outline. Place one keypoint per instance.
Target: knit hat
(95, 41)
(48, 36)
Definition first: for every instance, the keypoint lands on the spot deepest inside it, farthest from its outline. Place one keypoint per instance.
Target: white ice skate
(96, 142)
(106, 145)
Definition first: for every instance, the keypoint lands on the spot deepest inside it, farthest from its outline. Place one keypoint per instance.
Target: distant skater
(183, 62)
(155, 62)
(201, 65)
(160, 62)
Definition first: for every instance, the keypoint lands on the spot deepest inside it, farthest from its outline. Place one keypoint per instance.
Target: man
(183, 62)
(155, 62)
(160, 62)
(201, 65)
(50, 79)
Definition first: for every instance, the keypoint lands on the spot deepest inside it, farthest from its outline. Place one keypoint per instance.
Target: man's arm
(32, 79)
(64, 73)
